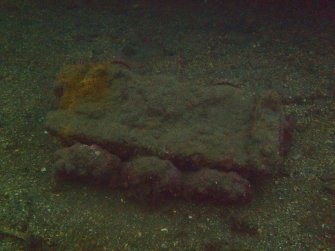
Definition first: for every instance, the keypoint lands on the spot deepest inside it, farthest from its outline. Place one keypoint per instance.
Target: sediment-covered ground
(256, 50)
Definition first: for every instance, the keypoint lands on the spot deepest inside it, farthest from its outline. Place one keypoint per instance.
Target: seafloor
(257, 48)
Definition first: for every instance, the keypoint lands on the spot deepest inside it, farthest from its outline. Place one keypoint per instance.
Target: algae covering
(194, 126)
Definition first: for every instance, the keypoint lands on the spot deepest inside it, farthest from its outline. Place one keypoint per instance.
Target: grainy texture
(289, 52)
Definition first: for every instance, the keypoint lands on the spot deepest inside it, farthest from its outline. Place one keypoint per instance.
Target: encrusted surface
(194, 126)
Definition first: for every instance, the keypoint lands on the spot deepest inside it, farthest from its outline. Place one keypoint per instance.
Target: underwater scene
(201, 125)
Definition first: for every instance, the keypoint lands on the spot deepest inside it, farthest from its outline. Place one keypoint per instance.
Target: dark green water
(273, 48)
